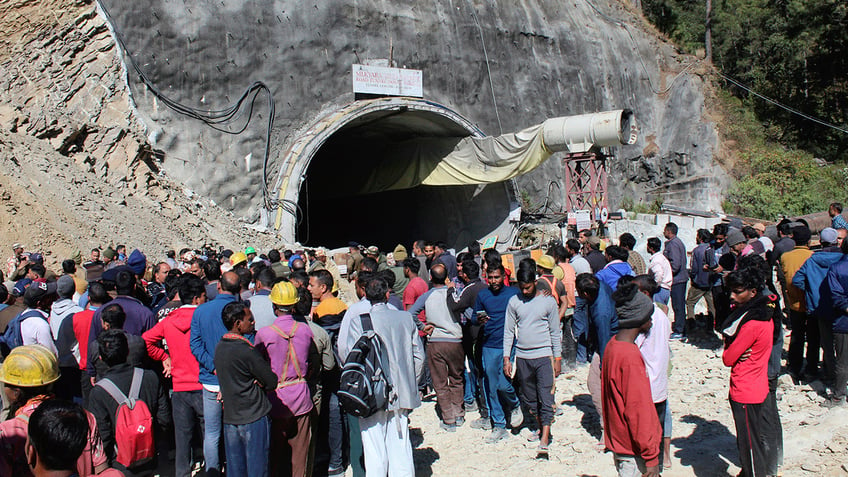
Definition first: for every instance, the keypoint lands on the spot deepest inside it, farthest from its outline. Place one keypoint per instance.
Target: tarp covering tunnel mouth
(394, 170)
(335, 207)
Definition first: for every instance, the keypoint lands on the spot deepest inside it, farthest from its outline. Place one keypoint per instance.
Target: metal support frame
(585, 181)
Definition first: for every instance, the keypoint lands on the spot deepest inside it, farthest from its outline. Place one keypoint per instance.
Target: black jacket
(239, 366)
(104, 407)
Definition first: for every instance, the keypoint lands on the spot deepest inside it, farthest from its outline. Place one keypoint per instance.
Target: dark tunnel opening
(333, 212)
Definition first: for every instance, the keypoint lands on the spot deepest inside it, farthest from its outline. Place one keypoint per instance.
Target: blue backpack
(12, 338)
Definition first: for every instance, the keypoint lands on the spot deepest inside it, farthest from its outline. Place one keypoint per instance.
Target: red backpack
(133, 423)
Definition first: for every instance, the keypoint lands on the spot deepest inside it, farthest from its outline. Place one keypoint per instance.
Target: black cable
(213, 118)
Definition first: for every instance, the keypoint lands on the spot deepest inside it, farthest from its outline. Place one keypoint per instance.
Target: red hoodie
(175, 329)
(82, 327)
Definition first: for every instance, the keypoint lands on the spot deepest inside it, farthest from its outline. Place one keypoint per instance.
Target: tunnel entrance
(332, 209)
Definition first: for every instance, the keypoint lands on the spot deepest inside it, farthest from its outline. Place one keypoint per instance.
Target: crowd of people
(237, 361)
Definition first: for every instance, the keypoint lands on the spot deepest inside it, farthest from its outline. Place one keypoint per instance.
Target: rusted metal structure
(586, 180)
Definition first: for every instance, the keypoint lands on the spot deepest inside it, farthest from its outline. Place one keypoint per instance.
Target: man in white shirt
(38, 298)
(660, 268)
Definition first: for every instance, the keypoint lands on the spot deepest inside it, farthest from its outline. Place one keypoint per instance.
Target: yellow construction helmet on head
(237, 258)
(284, 294)
(30, 366)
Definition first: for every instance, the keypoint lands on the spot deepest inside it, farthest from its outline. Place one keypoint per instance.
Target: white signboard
(581, 219)
(387, 81)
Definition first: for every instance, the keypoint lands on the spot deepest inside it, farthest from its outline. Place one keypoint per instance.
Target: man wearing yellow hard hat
(28, 374)
(286, 344)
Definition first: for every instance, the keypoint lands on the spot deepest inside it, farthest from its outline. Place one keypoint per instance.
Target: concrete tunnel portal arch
(343, 146)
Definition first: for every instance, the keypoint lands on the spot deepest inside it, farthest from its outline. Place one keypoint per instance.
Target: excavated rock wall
(545, 58)
(76, 170)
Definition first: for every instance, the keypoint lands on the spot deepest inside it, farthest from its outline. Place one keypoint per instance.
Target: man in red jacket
(631, 427)
(182, 367)
(748, 337)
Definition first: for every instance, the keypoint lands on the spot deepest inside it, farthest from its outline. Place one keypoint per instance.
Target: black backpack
(364, 386)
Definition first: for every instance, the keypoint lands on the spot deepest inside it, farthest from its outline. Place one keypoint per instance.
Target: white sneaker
(498, 434)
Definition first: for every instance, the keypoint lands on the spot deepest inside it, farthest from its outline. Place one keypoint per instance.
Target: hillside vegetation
(791, 51)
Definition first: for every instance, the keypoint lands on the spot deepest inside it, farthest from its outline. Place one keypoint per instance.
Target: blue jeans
(212, 410)
(247, 447)
(497, 386)
(678, 304)
(580, 331)
(329, 435)
(662, 295)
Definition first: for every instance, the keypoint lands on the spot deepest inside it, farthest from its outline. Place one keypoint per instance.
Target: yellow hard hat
(284, 294)
(30, 366)
(238, 258)
(558, 273)
(547, 262)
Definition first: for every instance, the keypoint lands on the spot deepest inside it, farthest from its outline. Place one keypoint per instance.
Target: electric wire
(488, 70)
(624, 25)
(216, 119)
(783, 106)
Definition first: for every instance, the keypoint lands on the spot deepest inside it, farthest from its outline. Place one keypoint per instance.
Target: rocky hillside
(76, 170)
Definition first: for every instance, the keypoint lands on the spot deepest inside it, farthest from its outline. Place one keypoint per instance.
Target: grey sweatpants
(535, 378)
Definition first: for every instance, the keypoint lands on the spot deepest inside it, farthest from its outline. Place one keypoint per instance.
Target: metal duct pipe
(581, 133)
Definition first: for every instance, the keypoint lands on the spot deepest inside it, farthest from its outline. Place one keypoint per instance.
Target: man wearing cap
(287, 344)
(354, 260)
(35, 329)
(63, 310)
(790, 263)
(812, 278)
(16, 262)
(631, 427)
(548, 284)
(108, 256)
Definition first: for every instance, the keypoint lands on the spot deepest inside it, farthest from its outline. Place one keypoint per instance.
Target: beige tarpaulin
(457, 161)
(454, 161)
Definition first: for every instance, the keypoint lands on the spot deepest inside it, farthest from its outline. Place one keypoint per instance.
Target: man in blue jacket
(207, 328)
(595, 322)
(616, 267)
(812, 278)
(837, 279)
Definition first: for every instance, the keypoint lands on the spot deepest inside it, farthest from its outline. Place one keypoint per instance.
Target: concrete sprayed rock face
(76, 170)
(502, 65)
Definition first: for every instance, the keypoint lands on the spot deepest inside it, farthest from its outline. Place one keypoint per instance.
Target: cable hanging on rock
(215, 119)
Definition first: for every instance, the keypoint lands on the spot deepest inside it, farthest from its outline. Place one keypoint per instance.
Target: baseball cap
(373, 250)
(829, 235)
(37, 291)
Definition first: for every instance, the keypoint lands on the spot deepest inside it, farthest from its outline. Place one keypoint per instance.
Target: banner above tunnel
(452, 161)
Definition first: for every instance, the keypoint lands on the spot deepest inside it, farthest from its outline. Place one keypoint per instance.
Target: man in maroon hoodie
(182, 367)
(748, 337)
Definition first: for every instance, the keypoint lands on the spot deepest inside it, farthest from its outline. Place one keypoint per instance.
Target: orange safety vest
(553, 285)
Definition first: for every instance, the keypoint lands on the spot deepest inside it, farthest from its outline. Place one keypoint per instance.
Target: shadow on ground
(423, 457)
(591, 420)
(709, 448)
